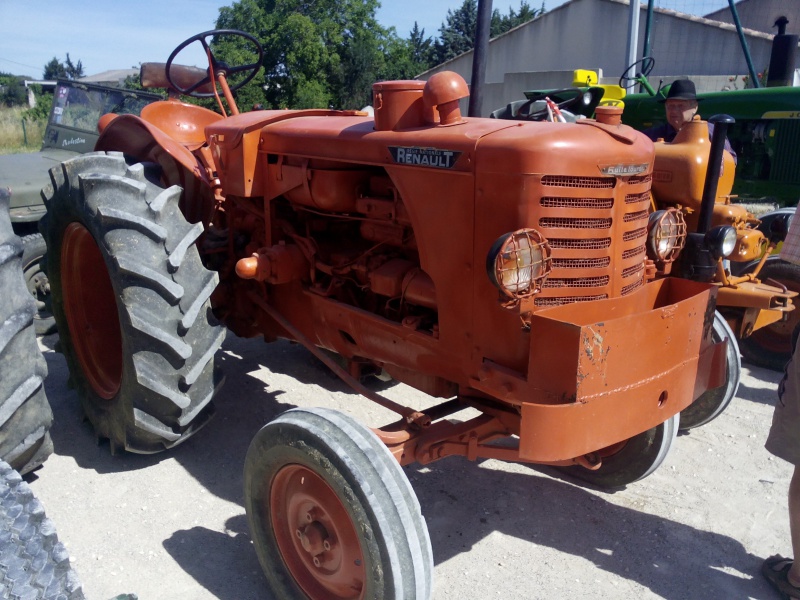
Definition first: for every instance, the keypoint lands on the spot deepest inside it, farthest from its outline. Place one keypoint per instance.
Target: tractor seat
(185, 123)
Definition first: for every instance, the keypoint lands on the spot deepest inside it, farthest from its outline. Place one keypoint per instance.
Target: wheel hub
(91, 311)
(316, 536)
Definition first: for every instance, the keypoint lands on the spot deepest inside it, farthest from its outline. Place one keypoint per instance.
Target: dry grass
(12, 136)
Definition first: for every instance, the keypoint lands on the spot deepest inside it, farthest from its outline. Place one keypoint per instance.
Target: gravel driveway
(172, 526)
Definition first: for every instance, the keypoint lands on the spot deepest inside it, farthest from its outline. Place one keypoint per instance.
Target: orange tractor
(494, 265)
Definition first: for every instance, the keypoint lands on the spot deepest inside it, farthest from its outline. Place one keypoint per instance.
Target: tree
(316, 54)
(12, 90)
(421, 49)
(55, 69)
(503, 23)
(406, 58)
(457, 33)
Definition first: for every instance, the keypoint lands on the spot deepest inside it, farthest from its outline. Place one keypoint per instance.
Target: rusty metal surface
(311, 207)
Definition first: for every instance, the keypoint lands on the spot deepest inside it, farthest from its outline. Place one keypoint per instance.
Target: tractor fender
(134, 136)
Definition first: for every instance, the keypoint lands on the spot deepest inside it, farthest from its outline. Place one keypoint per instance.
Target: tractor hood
(485, 145)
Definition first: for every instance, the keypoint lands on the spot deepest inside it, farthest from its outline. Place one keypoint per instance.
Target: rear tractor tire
(25, 415)
(131, 300)
(33, 563)
(331, 513)
(37, 283)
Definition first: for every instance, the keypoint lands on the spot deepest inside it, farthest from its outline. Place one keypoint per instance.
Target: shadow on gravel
(226, 566)
(759, 394)
(464, 503)
(215, 455)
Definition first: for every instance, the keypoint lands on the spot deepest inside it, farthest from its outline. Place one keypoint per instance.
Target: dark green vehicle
(71, 130)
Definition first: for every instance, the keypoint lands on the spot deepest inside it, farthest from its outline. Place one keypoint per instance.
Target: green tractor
(765, 134)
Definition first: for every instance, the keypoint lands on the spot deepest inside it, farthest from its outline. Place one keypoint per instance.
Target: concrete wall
(592, 34)
(761, 15)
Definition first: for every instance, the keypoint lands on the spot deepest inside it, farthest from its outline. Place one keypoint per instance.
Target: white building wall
(592, 34)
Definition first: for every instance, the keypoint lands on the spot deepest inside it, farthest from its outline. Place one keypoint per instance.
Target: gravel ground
(172, 526)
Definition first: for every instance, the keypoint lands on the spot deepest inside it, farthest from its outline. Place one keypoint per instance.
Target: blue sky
(108, 35)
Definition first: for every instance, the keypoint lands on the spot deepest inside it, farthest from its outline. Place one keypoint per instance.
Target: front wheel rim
(91, 311)
(316, 536)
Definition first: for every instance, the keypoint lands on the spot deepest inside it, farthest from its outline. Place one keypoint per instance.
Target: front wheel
(332, 514)
(712, 403)
(633, 459)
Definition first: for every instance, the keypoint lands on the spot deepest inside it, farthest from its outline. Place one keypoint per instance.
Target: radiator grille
(597, 232)
(632, 287)
(567, 223)
(583, 282)
(639, 250)
(639, 179)
(635, 234)
(560, 301)
(636, 198)
(585, 244)
(581, 263)
(787, 141)
(603, 183)
(635, 216)
(556, 202)
(634, 270)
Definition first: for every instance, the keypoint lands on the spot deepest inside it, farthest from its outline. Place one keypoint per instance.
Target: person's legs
(784, 442)
(794, 526)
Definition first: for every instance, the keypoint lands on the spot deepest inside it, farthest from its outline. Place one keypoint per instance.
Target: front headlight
(518, 263)
(666, 235)
(721, 241)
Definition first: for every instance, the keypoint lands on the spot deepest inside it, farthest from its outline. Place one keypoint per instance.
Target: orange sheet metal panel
(607, 370)
(235, 143)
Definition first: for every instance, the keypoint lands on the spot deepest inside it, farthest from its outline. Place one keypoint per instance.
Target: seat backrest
(154, 75)
(185, 123)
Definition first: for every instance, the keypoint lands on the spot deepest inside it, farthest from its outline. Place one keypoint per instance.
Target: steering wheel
(522, 112)
(626, 80)
(217, 65)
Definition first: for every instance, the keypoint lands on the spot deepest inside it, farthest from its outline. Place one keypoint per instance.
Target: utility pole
(479, 57)
(633, 33)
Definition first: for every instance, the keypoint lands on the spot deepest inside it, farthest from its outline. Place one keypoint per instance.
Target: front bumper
(602, 372)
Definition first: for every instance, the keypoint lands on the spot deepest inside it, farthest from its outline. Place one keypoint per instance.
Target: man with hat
(681, 107)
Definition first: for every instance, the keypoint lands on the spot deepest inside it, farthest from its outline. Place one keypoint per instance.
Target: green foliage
(12, 90)
(503, 23)
(457, 33)
(134, 82)
(40, 112)
(328, 53)
(319, 54)
(55, 69)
